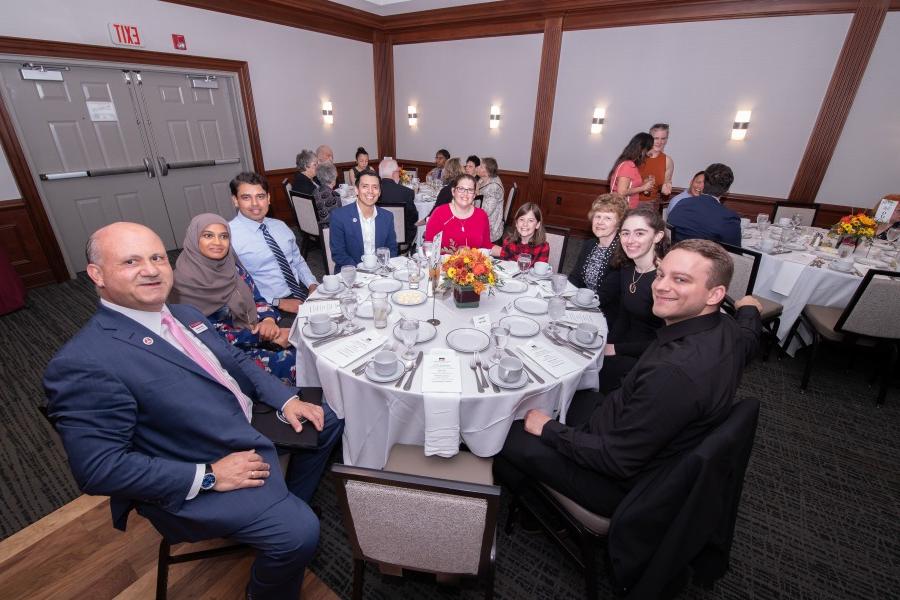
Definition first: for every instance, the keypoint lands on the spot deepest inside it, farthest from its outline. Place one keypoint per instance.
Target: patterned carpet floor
(819, 517)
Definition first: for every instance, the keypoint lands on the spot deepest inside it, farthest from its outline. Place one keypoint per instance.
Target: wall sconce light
(495, 116)
(741, 123)
(412, 115)
(327, 113)
(597, 121)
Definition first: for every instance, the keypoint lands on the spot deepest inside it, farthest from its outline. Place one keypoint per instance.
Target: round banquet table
(792, 279)
(379, 415)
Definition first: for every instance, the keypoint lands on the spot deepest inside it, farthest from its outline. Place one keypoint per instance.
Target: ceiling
(397, 7)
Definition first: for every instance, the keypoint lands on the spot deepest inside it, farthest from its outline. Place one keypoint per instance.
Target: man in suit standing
(393, 192)
(360, 228)
(154, 409)
(704, 217)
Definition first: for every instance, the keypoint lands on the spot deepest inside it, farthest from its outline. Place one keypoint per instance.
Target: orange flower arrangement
(470, 267)
(859, 226)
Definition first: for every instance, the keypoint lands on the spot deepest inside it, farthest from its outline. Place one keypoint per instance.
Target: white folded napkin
(441, 424)
(787, 277)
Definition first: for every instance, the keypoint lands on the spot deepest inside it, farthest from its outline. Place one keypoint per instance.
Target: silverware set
(412, 373)
(568, 345)
(336, 336)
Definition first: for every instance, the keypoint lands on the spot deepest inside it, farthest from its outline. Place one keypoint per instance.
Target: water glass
(524, 263)
(384, 257)
(762, 223)
(348, 274)
(559, 282)
(349, 302)
(380, 309)
(428, 250)
(409, 333)
(415, 273)
(499, 335)
(556, 310)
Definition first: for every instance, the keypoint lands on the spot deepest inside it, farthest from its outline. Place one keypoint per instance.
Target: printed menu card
(329, 307)
(549, 359)
(440, 371)
(351, 349)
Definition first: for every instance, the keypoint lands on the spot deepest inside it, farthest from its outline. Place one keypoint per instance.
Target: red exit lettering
(125, 35)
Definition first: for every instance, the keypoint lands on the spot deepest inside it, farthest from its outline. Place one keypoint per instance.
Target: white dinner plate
(598, 341)
(520, 326)
(532, 306)
(494, 375)
(364, 310)
(512, 286)
(373, 376)
(409, 297)
(427, 331)
(403, 274)
(468, 340)
(308, 333)
(594, 303)
(385, 285)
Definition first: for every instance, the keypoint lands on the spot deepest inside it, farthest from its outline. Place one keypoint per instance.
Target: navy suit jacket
(346, 235)
(136, 416)
(705, 218)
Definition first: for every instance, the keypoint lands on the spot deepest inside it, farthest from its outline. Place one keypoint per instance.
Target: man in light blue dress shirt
(250, 195)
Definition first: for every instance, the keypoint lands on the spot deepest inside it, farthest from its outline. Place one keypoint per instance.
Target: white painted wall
(866, 162)
(695, 76)
(454, 84)
(291, 70)
(8, 188)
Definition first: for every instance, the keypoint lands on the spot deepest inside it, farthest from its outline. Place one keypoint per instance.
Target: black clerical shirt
(681, 388)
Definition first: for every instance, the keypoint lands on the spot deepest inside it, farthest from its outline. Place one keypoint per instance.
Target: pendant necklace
(632, 287)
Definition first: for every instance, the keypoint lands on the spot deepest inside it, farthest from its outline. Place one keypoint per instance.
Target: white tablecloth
(377, 416)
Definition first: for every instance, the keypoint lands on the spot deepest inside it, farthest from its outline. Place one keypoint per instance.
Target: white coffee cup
(369, 261)
(586, 333)
(541, 268)
(510, 369)
(385, 362)
(767, 244)
(319, 323)
(585, 296)
(331, 283)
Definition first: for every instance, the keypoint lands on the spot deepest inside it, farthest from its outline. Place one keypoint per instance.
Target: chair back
(419, 523)
(874, 310)
(807, 212)
(288, 187)
(347, 178)
(396, 209)
(305, 211)
(670, 232)
(558, 238)
(746, 266)
(326, 243)
(510, 200)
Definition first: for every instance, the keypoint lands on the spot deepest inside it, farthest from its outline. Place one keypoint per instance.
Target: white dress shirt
(251, 247)
(368, 229)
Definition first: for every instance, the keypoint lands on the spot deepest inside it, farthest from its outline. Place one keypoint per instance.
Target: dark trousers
(526, 460)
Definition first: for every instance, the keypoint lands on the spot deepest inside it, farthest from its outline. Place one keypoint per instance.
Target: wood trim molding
(543, 109)
(16, 155)
(838, 100)
(385, 126)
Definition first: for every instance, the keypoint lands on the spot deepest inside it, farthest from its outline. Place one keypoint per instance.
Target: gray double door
(110, 144)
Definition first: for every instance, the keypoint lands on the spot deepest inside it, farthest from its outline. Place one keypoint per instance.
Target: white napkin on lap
(441, 424)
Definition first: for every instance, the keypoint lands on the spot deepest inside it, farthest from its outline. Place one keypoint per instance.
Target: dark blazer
(303, 184)
(346, 235)
(444, 197)
(136, 416)
(704, 217)
(395, 193)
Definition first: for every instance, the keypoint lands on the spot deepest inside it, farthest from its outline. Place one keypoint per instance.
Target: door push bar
(164, 166)
(147, 168)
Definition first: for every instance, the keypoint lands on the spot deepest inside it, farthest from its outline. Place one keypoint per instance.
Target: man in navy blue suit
(705, 217)
(154, 408)
(360, 228)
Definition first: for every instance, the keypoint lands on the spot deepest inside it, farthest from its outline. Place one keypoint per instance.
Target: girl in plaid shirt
(527, 238)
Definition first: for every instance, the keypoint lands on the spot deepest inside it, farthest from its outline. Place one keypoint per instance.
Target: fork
(474, 366)
(566, 346)
(344, 334)
(484, 374)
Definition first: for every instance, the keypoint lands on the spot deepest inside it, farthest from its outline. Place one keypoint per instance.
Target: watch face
(209, 480)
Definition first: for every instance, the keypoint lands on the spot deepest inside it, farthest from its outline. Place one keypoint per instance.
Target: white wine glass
(499, 335)
(556, 310)
(524, 263)
(409, 334)
(348, 274)
(384, 257)
(349, 302)
(559, 283)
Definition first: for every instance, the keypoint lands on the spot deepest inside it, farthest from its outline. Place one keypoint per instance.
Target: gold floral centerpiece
(853, 228)
(470, 273)
(405, 177)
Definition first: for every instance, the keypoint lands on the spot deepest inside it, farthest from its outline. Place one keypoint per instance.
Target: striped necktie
(298, 290)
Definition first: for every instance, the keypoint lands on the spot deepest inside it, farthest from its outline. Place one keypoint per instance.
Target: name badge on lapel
(198, 327)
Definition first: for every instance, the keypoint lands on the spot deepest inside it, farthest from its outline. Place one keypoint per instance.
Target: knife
(527, 368)
(412, 372)
(318, 343)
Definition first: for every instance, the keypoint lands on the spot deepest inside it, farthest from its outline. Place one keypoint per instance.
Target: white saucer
(387, 286)
(363, 269)
(364, 310)
(535, 277)
(321, 289)
(494, 375)
(427, 331)
(512, 286)
(373, 376)
(530, 305)
(593, 346)
(403, 275)
(307, 332)
(520, 326)
(593, 304)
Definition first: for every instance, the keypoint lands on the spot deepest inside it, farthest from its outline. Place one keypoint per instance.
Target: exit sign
(125, 35)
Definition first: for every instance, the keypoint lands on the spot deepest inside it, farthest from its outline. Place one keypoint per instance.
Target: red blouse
(474, 231)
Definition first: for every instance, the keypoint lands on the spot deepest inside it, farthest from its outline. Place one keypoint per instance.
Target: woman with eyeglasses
(460, 221)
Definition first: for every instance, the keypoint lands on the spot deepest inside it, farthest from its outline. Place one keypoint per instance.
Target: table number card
(347, 351)
(482, 322)
(885, 210)
(550, 360)
(328, 307)
(440, 371)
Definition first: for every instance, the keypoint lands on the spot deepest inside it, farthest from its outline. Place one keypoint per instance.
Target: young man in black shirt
(682, 387)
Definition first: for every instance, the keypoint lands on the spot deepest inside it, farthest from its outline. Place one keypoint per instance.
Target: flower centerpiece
(470, 273)
(405, 177)
(851, 228)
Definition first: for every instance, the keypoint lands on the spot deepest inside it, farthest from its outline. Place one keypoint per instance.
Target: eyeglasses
(461, 190)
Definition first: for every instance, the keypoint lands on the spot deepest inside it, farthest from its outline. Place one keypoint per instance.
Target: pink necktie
(190, 347)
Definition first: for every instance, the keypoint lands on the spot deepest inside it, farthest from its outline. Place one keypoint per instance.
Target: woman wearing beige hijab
(209, 276)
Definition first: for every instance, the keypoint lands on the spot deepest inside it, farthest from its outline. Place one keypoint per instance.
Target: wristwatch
(209, 479)
(276, 302)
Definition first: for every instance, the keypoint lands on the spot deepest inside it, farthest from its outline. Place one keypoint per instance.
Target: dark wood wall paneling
(543, 107)
(385, 128)
(22, 244)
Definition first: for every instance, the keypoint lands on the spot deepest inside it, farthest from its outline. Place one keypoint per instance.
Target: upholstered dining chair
(872, 318)
(307, 218)
(326, 244)
(558, 238)
(510, 200)
(398, 210)
(807, 212)
(400, 518)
